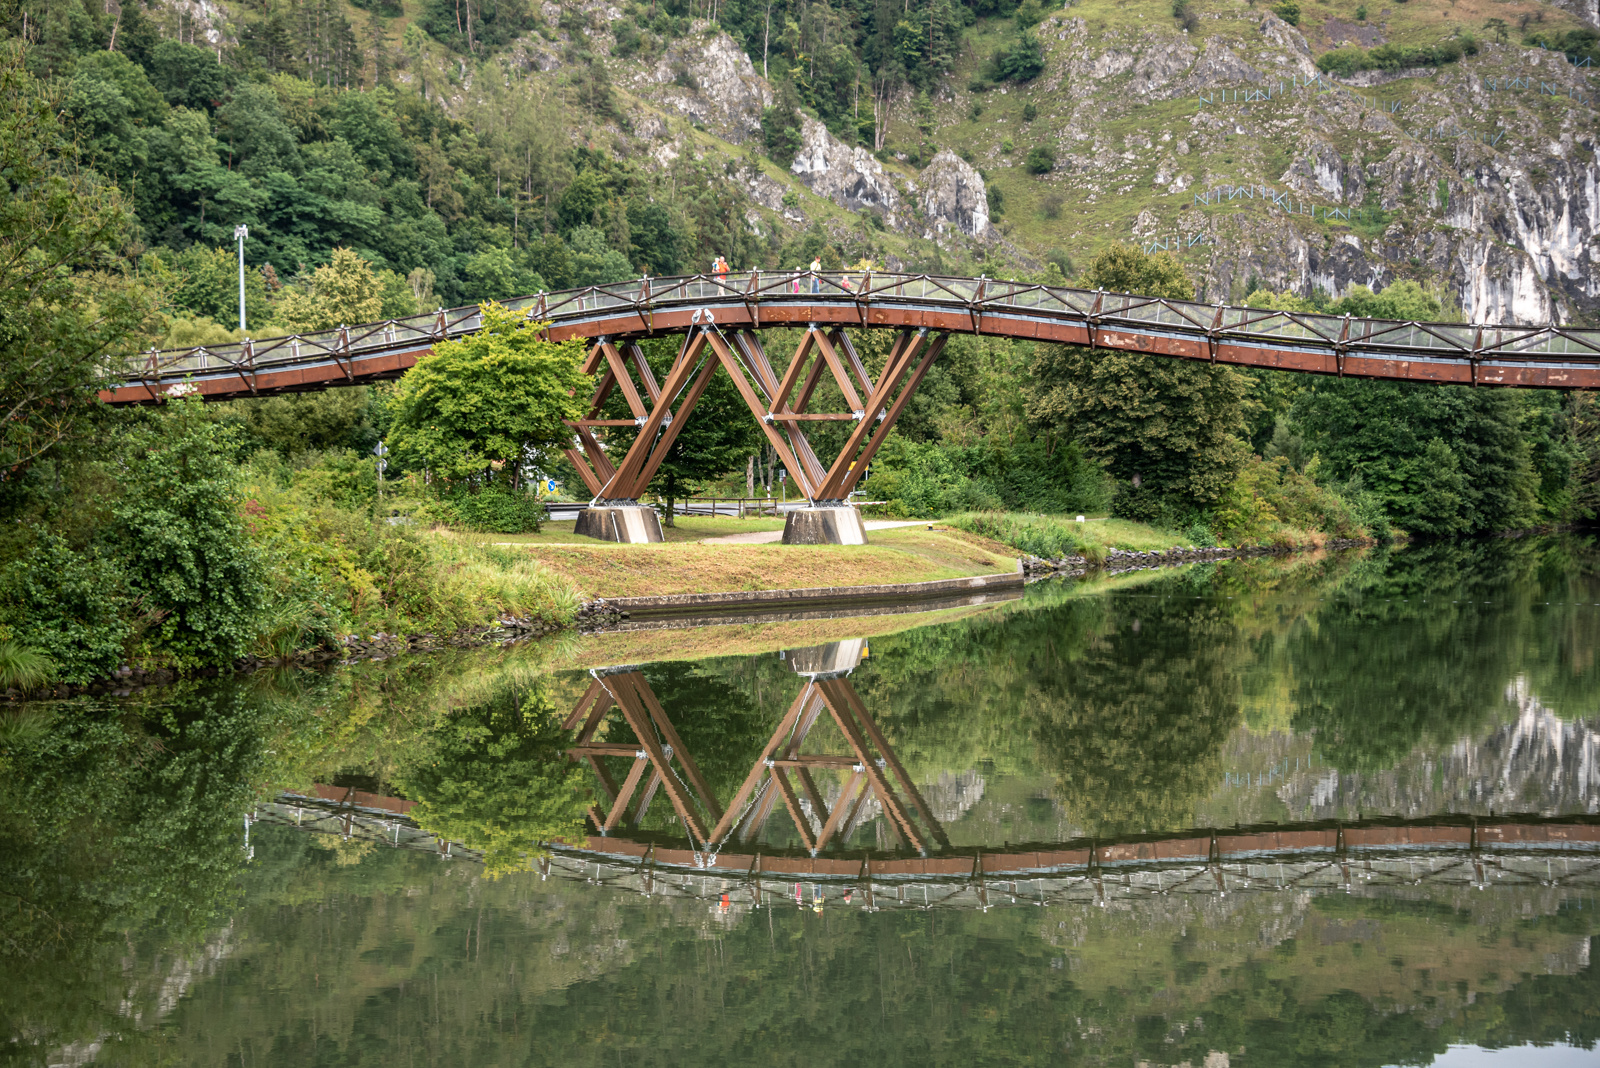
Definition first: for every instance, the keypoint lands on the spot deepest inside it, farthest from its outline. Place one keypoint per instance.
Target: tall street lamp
(241, 232)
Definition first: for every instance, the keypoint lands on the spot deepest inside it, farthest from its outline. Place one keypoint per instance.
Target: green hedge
(1347, 61)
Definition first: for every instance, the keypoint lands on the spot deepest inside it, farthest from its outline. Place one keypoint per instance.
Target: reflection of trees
(1133, 728)
(123, 821)
(1424, 653)
(496, 777)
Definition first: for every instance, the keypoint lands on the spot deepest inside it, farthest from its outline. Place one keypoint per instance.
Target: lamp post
(241, 232)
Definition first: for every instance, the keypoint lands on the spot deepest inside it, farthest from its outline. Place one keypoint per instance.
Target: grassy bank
(687, 528)
(906, 555)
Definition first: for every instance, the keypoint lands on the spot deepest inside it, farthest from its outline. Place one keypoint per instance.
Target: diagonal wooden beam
(796, 813)
(757, 820)
(647, 796)
(624, 688)
(759, 769)
(814, 376)
(753, 402)
(619, 807)
(680, 419)
(647, 376)
(842, 342)
(593, 360)
(750, 344)
(845, 385)
(840, 809)
(677, 379)
(679, 750)
(853, 699)
(791, 373)
(603, 773)
(619, 371)
(856, 470)
(899, 359)
(844, 716)
(582, 707)
(580, 464)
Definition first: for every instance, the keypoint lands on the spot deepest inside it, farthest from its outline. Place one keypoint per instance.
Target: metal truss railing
(1001, 303)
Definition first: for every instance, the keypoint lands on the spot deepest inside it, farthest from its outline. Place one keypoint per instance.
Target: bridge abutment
(825, 524)
(627, 522)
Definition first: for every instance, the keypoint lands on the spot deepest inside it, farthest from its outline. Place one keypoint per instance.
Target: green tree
(345, 293)
(496, 397)
(1442, 459)
(192, 570)
(206, 282)
(67, 301)
(1167, 429)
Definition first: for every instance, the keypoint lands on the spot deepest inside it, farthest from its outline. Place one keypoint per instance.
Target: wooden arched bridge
(719, 318)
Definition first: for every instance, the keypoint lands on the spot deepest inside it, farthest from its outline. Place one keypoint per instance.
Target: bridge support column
(825, 523)
(628, 522)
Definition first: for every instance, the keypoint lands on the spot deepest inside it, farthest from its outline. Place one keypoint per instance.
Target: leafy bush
(1346, 61)
(1576, 43)
(1288, 11)
(69, 604)
(1041, 159)
(1270, 495)
(1020, 61)
(498, 509)
(936, 478)
(178, 526)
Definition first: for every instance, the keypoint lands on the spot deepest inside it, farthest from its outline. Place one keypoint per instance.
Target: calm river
(1338, 810)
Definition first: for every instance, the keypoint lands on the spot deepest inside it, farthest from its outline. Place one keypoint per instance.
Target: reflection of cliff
(1533, 762)
(406, 959)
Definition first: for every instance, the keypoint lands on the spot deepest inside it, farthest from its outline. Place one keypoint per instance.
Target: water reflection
(1325, 811)
(874, 777)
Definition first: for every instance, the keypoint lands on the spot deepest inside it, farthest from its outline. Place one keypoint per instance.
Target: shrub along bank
(160, 551)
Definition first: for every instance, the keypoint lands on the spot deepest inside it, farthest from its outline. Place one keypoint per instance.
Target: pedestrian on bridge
(816, 283)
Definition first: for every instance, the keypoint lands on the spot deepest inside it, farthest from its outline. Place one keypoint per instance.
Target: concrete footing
(827, 525)
(631, 524)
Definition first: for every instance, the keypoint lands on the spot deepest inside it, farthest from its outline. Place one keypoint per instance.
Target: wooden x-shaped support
(781, 405)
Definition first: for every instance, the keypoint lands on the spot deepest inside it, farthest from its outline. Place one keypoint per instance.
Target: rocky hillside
(1471, 177)
(1205, 128)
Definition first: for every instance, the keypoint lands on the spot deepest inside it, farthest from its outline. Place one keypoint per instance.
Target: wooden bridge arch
(719, 318)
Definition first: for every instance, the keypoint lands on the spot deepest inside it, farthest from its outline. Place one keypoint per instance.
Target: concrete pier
(623, 521)
(837, 524)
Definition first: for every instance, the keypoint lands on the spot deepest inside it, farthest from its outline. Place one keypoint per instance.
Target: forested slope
(391, 158)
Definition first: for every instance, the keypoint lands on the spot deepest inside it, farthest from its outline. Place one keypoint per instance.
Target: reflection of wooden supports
(796, 813)
(871, 771)
(724, 825)
(849, 694)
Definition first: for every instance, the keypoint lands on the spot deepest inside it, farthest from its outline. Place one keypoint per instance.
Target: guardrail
(875, 299)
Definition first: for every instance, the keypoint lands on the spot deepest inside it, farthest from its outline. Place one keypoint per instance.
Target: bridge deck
(1441, 353)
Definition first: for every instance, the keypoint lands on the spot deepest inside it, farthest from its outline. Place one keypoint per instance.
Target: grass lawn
(687, 528)
(906, 555)
(1125, 534)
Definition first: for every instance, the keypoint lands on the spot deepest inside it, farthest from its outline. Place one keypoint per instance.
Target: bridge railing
(979, 296)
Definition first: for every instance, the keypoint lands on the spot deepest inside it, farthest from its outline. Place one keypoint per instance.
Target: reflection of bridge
(870, 768)
(719, 317)
(722, 855)
(1368, 857)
